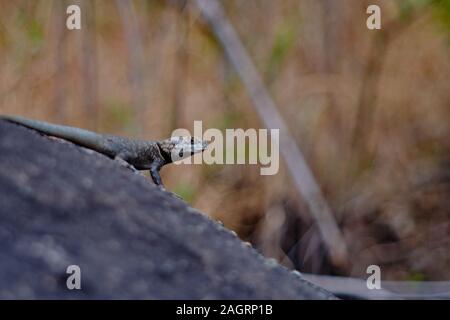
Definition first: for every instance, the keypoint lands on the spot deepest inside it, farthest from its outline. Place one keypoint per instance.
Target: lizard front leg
(154, 173)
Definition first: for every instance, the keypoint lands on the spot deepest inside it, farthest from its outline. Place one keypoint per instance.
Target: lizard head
(178, 147)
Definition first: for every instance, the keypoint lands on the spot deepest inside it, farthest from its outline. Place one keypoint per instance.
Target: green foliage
(186, 191)
(284, 40)
(231, 119)
(32, 28)
(406, 7)
(118, 115)
(3, 37)
(209, 172)
(35, 33)
(416, 276)
(442, 12)
(232, 84)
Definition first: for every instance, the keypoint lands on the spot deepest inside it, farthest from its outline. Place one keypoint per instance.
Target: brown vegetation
(369, 109)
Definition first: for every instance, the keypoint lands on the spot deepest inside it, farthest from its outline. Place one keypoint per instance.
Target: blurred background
(369, 109)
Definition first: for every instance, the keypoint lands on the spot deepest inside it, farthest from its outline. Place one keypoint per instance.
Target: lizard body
(140, 154)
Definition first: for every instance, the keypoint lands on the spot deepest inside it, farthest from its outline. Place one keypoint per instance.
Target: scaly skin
(140, 154)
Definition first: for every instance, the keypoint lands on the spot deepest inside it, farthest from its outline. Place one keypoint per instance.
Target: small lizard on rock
(133, 153)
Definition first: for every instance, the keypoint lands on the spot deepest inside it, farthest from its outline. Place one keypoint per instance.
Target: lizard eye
(181, 154)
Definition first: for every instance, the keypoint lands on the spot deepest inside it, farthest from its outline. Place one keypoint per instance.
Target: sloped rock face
(63, 205)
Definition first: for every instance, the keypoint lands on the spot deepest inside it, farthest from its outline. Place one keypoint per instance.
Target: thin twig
(89, 65)
(368, 96)
(133, 39)
(357, 288)
(181, 66)
(60, 61)
(301, 173)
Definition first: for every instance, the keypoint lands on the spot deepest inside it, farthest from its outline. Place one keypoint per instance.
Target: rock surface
(63, 205)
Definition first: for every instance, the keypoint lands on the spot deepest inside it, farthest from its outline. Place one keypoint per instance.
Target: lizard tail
(81, 137)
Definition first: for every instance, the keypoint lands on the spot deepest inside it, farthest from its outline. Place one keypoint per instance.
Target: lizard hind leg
(125, 164)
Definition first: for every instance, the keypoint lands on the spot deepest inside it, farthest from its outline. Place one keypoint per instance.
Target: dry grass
(370, 111)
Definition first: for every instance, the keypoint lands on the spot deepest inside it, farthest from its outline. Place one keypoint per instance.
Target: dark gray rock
(63, 205)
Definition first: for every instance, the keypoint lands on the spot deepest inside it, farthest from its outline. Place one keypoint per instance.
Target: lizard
(136, 154)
